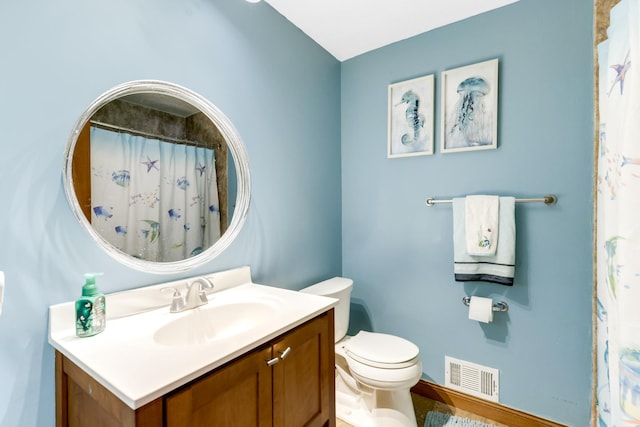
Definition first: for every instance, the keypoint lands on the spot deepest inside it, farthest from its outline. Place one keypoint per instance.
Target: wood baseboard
(484, 408)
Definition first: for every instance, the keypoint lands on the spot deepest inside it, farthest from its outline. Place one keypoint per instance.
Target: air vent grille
(467, 377)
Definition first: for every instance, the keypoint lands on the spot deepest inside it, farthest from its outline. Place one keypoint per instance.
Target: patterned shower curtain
(151, 199)
(618, 221)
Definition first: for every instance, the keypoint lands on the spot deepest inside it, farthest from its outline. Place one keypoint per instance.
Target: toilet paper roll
(481, 309)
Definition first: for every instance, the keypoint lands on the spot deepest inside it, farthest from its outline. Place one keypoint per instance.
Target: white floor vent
(473, 379)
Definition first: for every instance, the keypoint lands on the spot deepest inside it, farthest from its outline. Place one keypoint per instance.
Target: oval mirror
(158, 176)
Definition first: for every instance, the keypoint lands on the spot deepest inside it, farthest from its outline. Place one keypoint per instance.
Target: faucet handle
(177, 302)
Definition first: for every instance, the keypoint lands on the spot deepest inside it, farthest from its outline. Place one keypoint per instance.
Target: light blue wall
(279, 89)
(399, 252)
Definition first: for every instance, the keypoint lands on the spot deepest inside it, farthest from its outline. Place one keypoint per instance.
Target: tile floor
(423, 405)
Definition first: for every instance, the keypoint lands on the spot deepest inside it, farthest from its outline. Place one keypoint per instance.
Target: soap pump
(90, 308)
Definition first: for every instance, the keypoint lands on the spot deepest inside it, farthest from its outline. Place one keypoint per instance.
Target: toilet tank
(339, 288)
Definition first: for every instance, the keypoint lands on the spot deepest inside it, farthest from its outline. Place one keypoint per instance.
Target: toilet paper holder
(497, 306)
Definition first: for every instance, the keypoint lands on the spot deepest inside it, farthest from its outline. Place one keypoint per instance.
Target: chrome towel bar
(549, 200)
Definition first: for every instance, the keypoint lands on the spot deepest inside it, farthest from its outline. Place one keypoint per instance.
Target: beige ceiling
(348, 28)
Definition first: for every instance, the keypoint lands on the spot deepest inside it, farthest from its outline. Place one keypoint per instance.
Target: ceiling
(348, 28)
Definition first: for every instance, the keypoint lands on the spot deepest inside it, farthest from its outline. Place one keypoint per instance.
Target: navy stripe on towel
(508, 281)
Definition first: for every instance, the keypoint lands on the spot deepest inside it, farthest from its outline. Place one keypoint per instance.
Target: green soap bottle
(90, 308)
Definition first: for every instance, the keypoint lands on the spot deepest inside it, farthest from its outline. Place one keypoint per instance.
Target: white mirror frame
(235, 146)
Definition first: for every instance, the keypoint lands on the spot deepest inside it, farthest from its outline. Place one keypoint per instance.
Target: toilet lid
(381, 350)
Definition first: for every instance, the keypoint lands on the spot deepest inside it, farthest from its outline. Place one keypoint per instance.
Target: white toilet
(374, 372)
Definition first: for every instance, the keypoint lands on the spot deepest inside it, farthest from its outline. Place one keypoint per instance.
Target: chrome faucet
(197, 292)
(196, 295)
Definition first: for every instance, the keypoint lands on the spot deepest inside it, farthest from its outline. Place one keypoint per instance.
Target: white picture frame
(469, 108)
(411, 117)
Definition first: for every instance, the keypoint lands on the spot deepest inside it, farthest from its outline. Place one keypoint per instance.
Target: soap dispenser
(90, 308)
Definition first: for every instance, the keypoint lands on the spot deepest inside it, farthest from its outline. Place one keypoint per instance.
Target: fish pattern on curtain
(152, 199)
(618, 221)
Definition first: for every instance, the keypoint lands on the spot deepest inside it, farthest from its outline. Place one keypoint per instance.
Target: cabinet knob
(273, 361)
(284, 353)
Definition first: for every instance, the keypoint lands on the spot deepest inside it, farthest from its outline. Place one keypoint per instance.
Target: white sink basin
(214, 322)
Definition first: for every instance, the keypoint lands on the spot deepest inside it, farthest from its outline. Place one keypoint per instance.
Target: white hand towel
(481, 224)
(499, 268)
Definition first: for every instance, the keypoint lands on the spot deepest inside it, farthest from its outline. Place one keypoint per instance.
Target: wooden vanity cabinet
(288, 382)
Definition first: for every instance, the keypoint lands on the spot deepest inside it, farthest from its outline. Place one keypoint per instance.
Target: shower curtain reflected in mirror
(152, 199)
(618, 221)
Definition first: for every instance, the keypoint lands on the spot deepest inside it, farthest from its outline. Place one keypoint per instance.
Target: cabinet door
(237, 394)
(303, 380)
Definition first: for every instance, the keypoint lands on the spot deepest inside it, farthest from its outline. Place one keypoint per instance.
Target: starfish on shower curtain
(151, 164)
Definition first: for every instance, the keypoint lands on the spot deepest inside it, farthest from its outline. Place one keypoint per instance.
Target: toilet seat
(385, 378)
(382, 350)
(383, 361)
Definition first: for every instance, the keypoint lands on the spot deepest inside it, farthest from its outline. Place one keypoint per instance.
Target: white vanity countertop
(129, 362)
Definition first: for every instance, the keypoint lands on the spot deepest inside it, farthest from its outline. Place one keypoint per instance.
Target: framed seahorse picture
(469, 108)
(410, 126)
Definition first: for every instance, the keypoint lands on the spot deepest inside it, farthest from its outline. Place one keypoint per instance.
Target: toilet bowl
(374, 371)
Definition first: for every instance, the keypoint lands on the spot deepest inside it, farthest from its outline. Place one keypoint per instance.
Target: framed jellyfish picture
(469, 109)
(410, 126)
